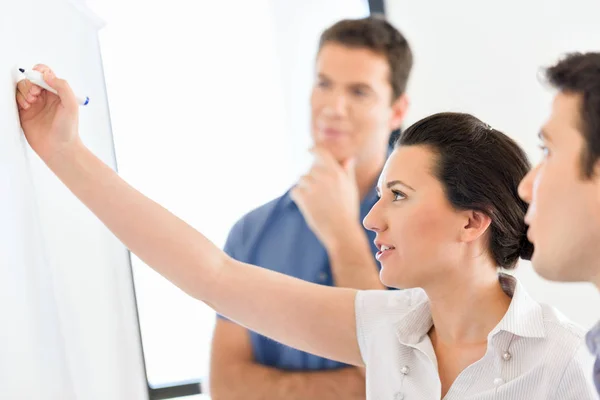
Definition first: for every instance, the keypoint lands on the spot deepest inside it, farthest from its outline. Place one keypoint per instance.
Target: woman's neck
(466, 309)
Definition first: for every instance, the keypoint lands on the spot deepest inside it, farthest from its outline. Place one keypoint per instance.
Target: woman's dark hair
(480, 169)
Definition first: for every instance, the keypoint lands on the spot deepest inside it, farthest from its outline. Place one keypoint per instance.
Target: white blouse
(533, 353)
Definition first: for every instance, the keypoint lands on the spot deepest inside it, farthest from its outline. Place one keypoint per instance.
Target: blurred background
(227, 84)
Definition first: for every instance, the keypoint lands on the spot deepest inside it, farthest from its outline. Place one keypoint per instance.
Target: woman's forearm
(303, 315)
(160, 239)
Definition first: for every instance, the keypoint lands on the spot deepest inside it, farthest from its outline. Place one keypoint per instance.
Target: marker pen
(37, 78)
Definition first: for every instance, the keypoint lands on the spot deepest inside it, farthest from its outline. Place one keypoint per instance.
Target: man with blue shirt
(564, 189)
(358, 98)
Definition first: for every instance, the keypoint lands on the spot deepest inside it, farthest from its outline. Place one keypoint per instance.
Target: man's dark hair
(579, 73)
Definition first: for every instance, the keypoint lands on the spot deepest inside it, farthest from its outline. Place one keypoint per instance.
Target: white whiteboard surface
(69, 328)
(483, 57)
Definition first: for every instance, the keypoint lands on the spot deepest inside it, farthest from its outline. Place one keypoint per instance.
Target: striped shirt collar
(524, 316)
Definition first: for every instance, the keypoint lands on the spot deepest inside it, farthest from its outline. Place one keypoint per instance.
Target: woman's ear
(476, 225)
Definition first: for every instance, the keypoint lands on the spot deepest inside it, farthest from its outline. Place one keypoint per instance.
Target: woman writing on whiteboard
(448, 216)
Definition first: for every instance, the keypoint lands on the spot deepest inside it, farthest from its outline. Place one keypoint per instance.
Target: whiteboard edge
(91, 16)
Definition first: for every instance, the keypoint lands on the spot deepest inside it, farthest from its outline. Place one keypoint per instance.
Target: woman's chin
(387, 280)
(392, 280)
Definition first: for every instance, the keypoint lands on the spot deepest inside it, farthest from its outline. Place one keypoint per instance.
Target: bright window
(202, 125)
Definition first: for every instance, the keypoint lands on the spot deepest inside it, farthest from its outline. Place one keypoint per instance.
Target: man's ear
(399, 110)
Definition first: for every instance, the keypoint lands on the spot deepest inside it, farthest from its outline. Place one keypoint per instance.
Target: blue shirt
(275, 236)
(593, 343)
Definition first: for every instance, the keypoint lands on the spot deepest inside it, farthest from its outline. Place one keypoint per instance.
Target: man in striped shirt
(564, 189)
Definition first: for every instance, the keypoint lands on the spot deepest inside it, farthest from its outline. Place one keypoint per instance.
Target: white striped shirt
(533, 353)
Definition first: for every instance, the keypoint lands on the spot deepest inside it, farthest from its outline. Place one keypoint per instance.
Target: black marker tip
(22, 70)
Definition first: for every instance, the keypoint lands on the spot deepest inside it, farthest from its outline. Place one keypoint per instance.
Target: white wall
(483, 57)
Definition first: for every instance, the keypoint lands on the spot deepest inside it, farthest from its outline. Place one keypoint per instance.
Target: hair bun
(525, 248)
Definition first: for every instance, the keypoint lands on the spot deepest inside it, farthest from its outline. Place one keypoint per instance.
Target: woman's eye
(398, 195)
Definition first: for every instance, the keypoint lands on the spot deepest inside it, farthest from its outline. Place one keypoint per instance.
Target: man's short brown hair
(376, 34)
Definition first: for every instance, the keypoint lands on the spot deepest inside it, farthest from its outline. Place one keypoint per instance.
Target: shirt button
(323, 276)
(506, 356)
(399, 396)
(498, 381)
(405, 370)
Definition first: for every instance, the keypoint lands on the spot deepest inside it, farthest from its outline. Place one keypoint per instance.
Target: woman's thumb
(67, 97)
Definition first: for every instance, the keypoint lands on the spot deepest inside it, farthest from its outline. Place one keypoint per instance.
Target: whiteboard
(69, 328)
